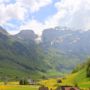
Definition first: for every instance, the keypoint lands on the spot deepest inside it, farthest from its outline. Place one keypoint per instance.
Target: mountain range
(58, 52)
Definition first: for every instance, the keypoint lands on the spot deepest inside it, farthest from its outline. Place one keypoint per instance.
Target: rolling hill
(80, 76)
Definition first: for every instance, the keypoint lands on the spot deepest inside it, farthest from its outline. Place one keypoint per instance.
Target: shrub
(23, 82)
(43, 88)
(59, 81)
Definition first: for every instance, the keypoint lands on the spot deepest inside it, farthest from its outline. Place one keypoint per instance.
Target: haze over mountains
(59, 50)
(73, 42)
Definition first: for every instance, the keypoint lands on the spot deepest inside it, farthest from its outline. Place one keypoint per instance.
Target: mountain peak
(27, 34)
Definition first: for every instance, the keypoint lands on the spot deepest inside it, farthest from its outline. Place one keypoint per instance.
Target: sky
(37, 15)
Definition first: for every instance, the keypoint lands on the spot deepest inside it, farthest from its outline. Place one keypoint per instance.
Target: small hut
(31, 82)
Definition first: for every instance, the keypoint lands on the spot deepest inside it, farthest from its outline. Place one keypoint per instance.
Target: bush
(43, 88)
(59, 81)
(23, 82)
(44, 77)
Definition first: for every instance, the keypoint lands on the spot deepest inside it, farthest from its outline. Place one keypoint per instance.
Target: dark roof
(67, 88)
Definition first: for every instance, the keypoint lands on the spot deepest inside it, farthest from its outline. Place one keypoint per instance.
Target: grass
(50, 83)
(54, 73)
(78, 78)
(18, 87)
(23, 88)
(85, 85)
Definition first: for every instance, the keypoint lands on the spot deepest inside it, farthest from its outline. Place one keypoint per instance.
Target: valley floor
(78, 79)
(18, 87)
(50, 83)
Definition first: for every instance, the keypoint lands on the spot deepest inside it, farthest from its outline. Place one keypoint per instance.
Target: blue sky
(16, 15)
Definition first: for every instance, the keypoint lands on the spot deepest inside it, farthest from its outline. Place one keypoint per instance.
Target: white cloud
(34, 5)
(76, 13)
(33, 25)
(11, 11)
(5, 1)
(16, 11)
(70, 13)
(20, 9)
(54, 20)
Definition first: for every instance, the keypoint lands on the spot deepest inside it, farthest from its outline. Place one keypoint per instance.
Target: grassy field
(78, 78)
(50, 83)
(18, 87)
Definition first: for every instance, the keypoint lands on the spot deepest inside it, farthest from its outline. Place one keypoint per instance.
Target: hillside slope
(19, 58)
(57, 53)
(79, 76)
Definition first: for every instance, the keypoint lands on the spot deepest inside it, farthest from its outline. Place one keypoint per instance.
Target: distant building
(31, 82)
(67, 88)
